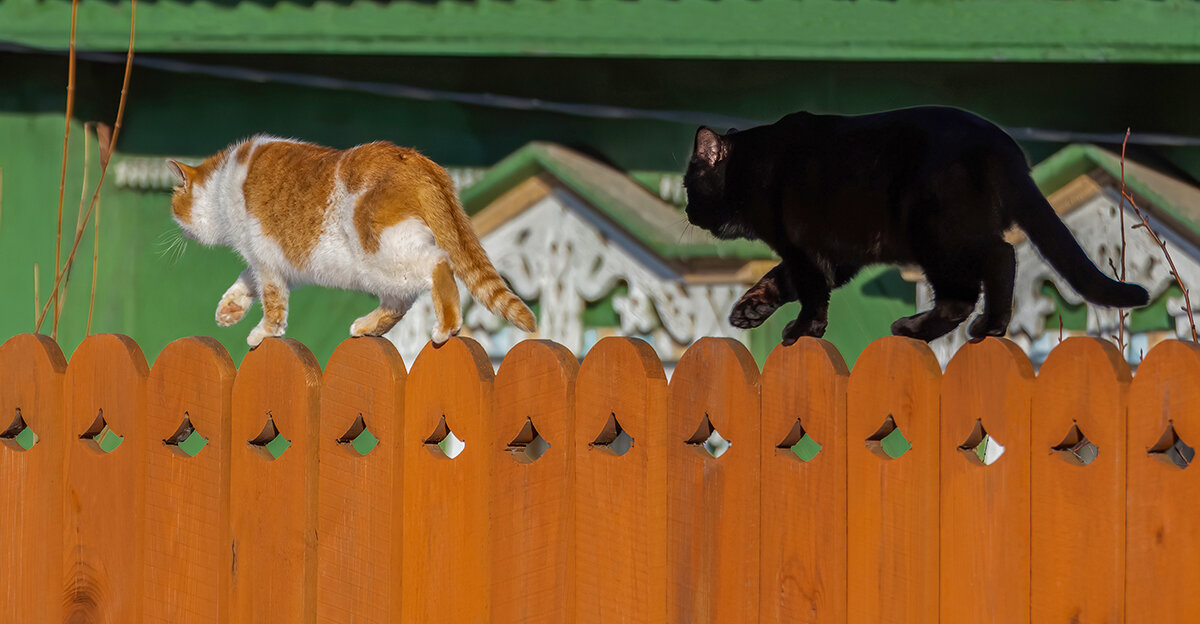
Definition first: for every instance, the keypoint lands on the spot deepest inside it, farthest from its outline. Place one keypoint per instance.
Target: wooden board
(358, 530)
(804, 501)
(988, 390)
(104, 498)
(892, 542)
(1078, 512)
(713, 502)
(273, 517)
(31, 480)
(532, 522)
(1163, 521)
(187, 496)
(621, 500)
(446, 566)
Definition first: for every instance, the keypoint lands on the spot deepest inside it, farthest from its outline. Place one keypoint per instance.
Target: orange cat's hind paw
(441, 335)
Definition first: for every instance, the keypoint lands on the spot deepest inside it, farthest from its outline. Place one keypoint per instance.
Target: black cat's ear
(709, 146)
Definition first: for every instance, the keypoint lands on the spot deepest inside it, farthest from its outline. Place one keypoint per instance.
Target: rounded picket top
(362, 396)
(986, 394)
(1001, 356)
(1096, 354)
(190, 395)
(106, 367)
(276, 386)
(621, 386)
(535, 388)
(31, 376)
(1163, 495)
(434, 395)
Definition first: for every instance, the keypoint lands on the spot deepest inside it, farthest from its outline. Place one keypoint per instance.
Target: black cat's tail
(1026, 205)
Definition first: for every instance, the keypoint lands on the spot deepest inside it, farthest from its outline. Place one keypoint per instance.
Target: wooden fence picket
(621, 485)
(713, 484)
(447, 538)
(105, 406)
(1078, 508)
(986, 399)
(803, 507)
(31, 479)
(359, 448)
(1163, 489)
(189, 404)
(533, 459)
(273, 484)
(892, 545)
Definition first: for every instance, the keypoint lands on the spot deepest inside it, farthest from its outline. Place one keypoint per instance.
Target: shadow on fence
(555, 491)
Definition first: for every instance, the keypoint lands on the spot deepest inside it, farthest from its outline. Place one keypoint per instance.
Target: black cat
(932, 186)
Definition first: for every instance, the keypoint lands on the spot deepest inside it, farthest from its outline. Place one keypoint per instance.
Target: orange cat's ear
(183, 173)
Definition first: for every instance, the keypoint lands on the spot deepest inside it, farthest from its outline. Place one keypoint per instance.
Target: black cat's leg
(999, 271)
(844, 273)
(812, 289)
(760, 302)
(953, 301)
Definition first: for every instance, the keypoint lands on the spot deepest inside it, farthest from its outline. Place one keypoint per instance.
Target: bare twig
(105, 151)
(79, 224)
(1145, 224)
(62, 183)
(1060, 329)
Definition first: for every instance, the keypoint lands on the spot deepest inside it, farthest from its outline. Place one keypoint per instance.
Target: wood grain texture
(804, 503)
(893, 507)
(985, 508)
(1163, 512)
(713, 502)
(104, 499)
(446, 566)
(1078, 512)
(532, 520)
(358, 529)
(31, 481)
(273, 518)
(621, 501)
(187, 498)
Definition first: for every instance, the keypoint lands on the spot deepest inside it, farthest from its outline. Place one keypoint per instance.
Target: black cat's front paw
(982, 327)
(752, 310)
(800, 328)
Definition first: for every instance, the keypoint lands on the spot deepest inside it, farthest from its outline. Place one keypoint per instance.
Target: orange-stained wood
(1078, 512)
(273, 511)
(803, 503)
(187, 497)
(985, 507)
(31, 481)
(446, 567)
(621, 501)
(532, 520)
(713, 502)
(1163, 499)
(103, 519)
(358, 528)
(892, 542)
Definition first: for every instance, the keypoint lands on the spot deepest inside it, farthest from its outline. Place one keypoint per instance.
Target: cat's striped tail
(471, 264)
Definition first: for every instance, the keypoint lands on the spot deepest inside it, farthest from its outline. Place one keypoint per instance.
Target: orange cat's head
(193, 204)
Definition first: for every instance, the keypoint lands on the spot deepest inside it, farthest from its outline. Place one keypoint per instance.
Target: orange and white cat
(375, 218)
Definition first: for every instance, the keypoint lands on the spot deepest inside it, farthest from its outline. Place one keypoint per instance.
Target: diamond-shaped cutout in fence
(100, 437)
(529, 445)
(613, 439)
(270, 441)
(1172, 450)
(708, 439)
(887, 441)
(186, 440)
(359, 437)
(1076, 449)
(19, 436)
(980, 447)
(443, 443)
(800, 443)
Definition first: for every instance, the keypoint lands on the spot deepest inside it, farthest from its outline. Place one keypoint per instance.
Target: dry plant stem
(1123, 314)
(105, 151)
(62, 183)
(79, 225)
(95, 263)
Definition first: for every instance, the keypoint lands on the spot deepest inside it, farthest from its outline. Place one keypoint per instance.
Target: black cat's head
(705, 184)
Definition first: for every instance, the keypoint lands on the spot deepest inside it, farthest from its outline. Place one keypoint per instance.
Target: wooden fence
(196, 492)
